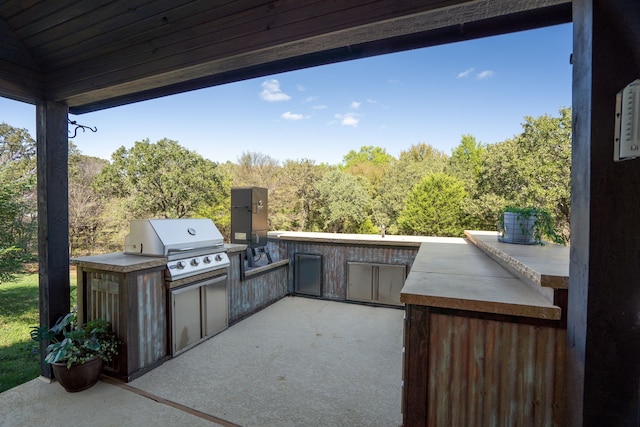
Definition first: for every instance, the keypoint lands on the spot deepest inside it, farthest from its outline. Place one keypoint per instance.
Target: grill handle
(181, 250)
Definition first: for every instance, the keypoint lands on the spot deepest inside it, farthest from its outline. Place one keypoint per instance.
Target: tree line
(422, 192)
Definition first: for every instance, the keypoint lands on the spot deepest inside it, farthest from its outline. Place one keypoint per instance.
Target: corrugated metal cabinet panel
(135, 305)
(462, 370)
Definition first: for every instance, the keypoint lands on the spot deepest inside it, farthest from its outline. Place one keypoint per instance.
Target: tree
(17, 224)
(401, 176)
(534, 168)
(255, 170)
(370, 162)
(294, 195)
(343, 204)
(16, 146)
(86, 224)
(434, 207)
(424, 154)
(18, 210)
(161, 180)
(220, 212)
(466, 161)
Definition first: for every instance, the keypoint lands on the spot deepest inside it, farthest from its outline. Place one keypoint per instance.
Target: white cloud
(371, 101)
(486, 74)
(355, 105)
(292, 116)
(319, 107)
(271, 91)
(465, 73)
(310, 98)
(301, 88)
(349, 119)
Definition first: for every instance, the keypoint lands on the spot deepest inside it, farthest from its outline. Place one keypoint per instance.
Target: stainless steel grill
(196, 275)
(191, 245)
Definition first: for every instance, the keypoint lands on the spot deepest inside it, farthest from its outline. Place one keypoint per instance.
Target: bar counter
(485, 333)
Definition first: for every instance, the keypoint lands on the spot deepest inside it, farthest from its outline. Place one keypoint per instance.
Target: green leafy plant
(73, 344)
(544, 224)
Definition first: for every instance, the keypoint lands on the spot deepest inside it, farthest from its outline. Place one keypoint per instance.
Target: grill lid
(161, 237)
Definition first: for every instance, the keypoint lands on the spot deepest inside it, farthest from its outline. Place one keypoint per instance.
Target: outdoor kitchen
(471, 305)
(177, 283)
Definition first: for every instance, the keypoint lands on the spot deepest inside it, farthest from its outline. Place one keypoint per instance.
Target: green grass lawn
(19, 358)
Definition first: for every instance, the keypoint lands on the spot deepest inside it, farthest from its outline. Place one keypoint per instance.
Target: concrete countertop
(357, 239)
(544, 266)
(235, 247)
(453, 273)
(119, 262)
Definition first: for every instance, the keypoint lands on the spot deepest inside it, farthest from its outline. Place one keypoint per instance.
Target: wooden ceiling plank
(399, 27)
(12, 49)
(253, 34)
(183, 54)
(203, 22)
(238, 69)
(59, 19)
(8, 9)
(109, 18)
(39, 11)
(19, 83)
(119, 32)
(109, 21)
(146, 39)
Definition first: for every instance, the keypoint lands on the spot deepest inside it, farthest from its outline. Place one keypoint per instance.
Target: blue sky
(434, 95)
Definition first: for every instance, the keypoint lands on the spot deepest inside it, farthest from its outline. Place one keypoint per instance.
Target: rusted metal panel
(415, 369)
(152, 330)
(485, 373)
(250, 295)
(335, 258)
(104, 288)
(135, 305)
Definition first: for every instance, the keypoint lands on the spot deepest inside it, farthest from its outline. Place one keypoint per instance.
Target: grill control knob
(195, 262)
(181, 265)
(218, 257)
(207, 259)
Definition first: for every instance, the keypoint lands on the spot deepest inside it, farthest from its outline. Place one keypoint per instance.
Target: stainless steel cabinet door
(214, 307)
(308, 274)
(359, 281)
(390, 283)
(375, 282)
(186, 323)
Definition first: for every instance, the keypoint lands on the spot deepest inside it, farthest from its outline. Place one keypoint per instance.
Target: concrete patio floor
(299, 362)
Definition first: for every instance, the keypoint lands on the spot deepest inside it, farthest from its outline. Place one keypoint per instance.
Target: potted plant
(527, 226)
(77, 352)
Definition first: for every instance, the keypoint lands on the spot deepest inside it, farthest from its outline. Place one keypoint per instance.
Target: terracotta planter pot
(78, 377)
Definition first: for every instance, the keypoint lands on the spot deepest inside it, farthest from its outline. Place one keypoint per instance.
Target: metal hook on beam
(79, 126)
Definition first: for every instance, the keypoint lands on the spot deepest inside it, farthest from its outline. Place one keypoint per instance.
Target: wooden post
(53, 216)
(416, 366)
(603, 331)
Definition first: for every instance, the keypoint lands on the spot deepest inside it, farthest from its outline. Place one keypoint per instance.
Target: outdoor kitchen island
(131, 292)
(168, 291)
(485, 340)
